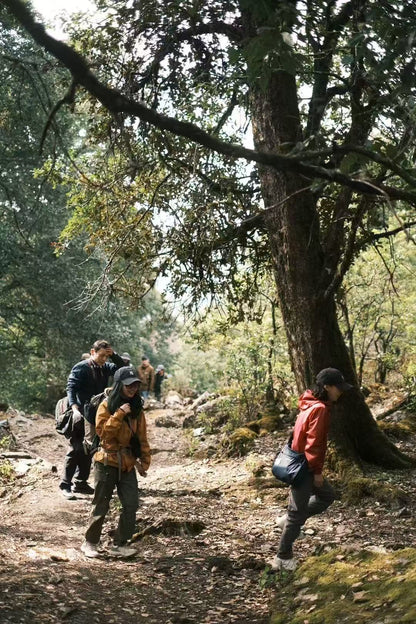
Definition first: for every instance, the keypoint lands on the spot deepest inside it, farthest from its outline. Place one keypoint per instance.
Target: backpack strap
(93, 369)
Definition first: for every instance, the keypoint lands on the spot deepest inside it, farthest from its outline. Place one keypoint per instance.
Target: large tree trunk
(302, 276)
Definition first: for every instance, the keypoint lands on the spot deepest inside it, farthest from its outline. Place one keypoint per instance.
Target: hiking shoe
(82, 487)
(89, 549)
(66, 492)
(123, 551)
(281, 521)
(287, 565)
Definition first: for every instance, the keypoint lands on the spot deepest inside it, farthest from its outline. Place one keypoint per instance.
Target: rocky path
(203, 534)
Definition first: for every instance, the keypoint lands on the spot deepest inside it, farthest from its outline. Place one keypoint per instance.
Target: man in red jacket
(310, 433)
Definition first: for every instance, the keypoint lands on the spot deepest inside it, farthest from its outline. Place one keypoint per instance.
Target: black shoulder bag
(289, 466)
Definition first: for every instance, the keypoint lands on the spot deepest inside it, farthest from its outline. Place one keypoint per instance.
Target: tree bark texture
(302, 274)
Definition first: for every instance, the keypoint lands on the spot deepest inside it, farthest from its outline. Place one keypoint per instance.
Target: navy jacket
(85, 381)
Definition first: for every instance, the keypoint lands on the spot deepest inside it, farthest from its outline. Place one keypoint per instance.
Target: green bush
(7, 473)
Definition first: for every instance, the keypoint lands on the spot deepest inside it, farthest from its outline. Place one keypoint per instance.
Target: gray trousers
(77, 462)
(305, 501)
(106, 478)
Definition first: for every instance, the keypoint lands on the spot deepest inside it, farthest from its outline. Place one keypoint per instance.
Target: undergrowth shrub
(7, 473)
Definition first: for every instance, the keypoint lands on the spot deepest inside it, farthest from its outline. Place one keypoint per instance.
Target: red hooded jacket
(311, 430)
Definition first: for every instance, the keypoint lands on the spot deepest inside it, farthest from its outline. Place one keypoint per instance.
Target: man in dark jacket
(160, 377)
(87, 378)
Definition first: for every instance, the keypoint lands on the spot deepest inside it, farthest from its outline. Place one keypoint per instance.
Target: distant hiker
(121, 425)
(160, 377)
(314, 494)
(87, 378)
(85, 356)
(146, 374)
(126, 358)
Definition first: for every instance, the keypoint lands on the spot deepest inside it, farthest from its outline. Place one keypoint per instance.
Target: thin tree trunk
(270, 394)
(350, 335)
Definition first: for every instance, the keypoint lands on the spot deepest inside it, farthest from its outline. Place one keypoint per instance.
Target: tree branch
(255, 222)
(68, 98)
(116, 102)
(219, 187)
(321, 95)
(227, 113)
(373, 156)
(388, 234)
(349, 249)
(216, 27)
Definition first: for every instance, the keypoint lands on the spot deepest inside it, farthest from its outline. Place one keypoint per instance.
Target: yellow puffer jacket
(115, 435)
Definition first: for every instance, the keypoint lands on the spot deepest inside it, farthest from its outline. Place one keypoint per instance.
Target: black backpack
(91, 438)
(63, 418)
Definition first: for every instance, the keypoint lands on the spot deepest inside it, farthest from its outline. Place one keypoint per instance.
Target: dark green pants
(106, 478)
(305, 500)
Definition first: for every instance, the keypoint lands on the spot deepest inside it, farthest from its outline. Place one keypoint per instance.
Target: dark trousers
(106, 478)
(158, 390)
(77, 463)
(305, 501)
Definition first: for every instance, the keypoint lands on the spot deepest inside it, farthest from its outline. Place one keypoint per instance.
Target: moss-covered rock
(266, 483)
(240, 442)
(345, 468)
(266, 424)
(357, 489)
(341, 586)
(354, 486)
(401, 430)
(212, 415)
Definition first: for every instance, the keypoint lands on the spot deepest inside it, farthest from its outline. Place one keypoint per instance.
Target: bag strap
(133, 433)
(94, 374)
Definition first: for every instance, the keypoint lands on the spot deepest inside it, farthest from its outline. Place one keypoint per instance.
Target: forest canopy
(164, 185)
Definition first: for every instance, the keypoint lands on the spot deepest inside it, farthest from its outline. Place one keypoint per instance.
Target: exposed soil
(205, 529)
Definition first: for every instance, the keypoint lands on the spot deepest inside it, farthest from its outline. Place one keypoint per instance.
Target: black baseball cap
(332, 377)
(126, 374)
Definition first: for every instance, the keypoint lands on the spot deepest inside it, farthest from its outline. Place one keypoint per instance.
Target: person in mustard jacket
(121, 426)
(315, 493)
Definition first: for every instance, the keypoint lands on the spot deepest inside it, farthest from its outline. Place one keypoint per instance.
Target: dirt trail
(207, 528)
(209, 535)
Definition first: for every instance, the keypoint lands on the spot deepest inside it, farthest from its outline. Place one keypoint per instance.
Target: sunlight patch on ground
(43, 553)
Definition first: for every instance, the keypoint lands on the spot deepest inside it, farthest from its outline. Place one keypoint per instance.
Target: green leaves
(54, 297)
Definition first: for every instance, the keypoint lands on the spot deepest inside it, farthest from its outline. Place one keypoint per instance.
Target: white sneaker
(124, 551)
(67, 492)
(288, 565)
(89, 549)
